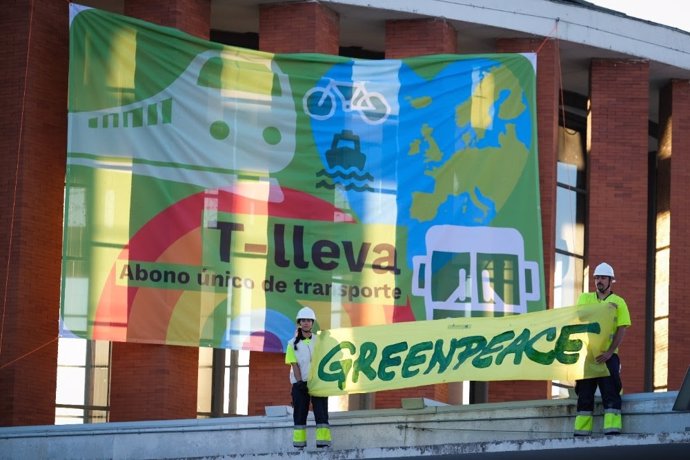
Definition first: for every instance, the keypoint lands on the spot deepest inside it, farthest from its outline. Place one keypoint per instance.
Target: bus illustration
(225, 113)
(474, 271)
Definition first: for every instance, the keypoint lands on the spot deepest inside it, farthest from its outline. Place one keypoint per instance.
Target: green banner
(556, 344)
(213, 191)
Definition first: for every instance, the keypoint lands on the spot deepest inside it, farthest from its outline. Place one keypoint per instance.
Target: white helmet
(306, 313)
(604, 269)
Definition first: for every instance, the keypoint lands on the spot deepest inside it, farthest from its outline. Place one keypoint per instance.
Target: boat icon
(345, 152)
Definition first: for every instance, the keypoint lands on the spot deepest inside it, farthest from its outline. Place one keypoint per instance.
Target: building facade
(613, 96)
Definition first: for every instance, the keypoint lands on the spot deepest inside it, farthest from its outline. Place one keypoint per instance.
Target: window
(83, 381)
(223, 386)
(570, 228)
(570, 218)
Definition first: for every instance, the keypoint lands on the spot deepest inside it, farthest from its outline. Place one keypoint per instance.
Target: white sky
(668, 12)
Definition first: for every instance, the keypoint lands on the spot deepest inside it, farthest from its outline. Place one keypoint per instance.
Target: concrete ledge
(278, 411)
(420, 403)
(644, 446)
(399, 432)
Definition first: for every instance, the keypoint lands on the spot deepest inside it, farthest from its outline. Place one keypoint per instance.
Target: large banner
(556, 344)
(213, 191)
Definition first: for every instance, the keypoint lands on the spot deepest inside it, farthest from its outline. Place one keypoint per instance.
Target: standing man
(611, 386)
(299, 352)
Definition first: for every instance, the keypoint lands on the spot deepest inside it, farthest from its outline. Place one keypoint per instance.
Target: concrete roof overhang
(584, 30)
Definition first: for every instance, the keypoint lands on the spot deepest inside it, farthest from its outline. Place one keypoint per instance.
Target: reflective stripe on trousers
(584, 421)
(299, 436)
(323, 435)
(613, 421)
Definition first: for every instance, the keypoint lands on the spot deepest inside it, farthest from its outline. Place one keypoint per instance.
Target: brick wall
(269, 382)
(416, 37)
(153, 382)
(392, 399)
(617, 199)
(33, 90)
(519, 390)
(308, 27)
(191, 16)
(678, 127)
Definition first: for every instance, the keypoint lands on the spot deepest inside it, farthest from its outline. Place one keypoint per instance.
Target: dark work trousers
(300, 404)
(610, 388)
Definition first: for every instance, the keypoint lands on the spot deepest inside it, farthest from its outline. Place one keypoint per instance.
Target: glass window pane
(203, 400)
(242, 390)
(227, 394)
(571, 158)
(81, 363)
(101, 353)
(570, 214)
(235, 389)
(100, 386)
(98, 416)
(205, 357)
(70, 385)
(567, 280)
(68, 416)
(71, 352)
(566, 174)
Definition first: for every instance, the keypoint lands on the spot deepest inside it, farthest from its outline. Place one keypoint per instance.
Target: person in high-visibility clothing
(299, 352)
(611, 386)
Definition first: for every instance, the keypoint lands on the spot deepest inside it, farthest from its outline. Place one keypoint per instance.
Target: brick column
(414, 37)
(33, 92)
(617, 175)
(548, 72)
(191, 16)
(392, 399)
(307, 27)
(155, 382)
(674, 148)
(269, 384)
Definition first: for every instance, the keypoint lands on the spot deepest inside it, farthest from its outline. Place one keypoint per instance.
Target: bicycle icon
(320, 101)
